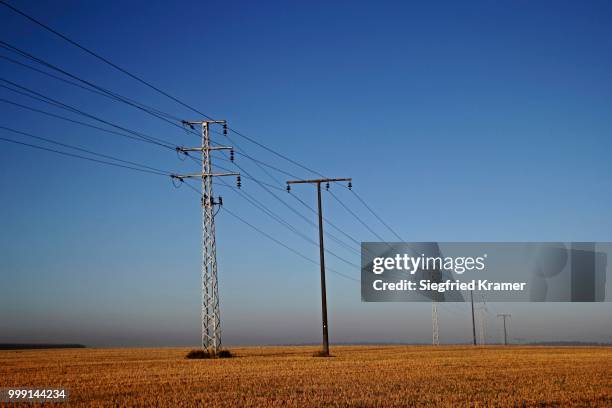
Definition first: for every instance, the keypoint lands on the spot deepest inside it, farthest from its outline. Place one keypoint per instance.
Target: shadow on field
(204, 354)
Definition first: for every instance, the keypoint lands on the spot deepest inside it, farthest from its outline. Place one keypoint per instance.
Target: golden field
(360, 376)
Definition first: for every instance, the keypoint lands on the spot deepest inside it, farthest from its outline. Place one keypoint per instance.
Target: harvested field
(290, 376)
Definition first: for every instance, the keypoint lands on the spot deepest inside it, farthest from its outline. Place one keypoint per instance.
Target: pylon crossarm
(199, 149)
(201, 175)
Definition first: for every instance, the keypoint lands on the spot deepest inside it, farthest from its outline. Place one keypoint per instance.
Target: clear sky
(458, 121)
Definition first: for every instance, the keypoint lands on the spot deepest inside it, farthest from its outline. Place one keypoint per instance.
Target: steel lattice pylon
(482, 325)
(210, 314)
(434, 322)
(211, 317)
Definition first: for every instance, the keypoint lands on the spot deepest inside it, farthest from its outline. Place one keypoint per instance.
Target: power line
(253, 201)
(259, 230)
(125, 135)
(329, 234)
(88, 51)
(30, 108)
(156, 172)
(259, 164)
(54, 102)
(331, 224)
(82, 157)
(270, 237)
(308, 221)
(182, 103)
(82, 123)
(286, 173)
(92, 87)
(106, 156)
(356, 216)
(376, 215)
(137, 78)
(256, 203)
(83, 48)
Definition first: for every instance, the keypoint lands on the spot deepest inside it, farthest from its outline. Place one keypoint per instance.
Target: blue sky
(486, 121)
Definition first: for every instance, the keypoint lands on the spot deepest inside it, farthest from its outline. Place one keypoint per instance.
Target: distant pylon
(482, 321)
(434, 322)
(482, 316)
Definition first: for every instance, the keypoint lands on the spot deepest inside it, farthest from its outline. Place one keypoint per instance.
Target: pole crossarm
(324, 180)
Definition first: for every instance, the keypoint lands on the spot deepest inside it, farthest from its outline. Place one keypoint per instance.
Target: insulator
(350, 185)
(174, 179)
(185, 123)
(327, 186)
(288, 188)
(238, 182)
(232, 155)
(225, 129)
(220, 200)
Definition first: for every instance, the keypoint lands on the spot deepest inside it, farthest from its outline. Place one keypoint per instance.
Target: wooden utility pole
(325, 351)
(504, 316)
(473, 318)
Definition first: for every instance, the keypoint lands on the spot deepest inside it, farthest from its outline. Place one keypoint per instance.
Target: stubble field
(363, 376)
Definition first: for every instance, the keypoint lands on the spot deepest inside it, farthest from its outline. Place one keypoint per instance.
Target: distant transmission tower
(482, 316)
(434, 322)
(211, 318)
(482, 320)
